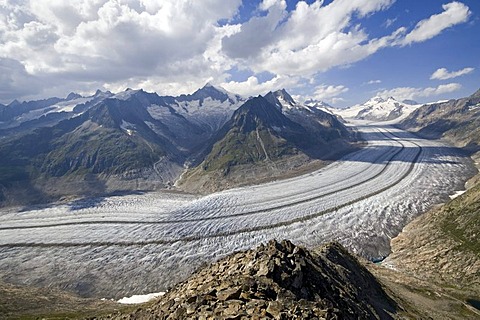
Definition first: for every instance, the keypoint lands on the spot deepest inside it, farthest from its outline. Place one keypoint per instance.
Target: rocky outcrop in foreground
(278, 281)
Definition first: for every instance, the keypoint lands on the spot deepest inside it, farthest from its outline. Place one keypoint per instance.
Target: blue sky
(340, 51)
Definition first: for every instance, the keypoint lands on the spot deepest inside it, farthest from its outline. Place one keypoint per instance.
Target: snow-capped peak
(282, 99)
(218, 88)
(317, 104)
(374, 101)
(127, 94)
(379, 109)
(320, 105)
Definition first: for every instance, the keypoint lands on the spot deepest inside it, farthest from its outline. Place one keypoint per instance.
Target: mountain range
(267, 137)
(379, 109)
(135, 140)
(431, 273)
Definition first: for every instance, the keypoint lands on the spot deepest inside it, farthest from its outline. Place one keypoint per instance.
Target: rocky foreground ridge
(278, 280)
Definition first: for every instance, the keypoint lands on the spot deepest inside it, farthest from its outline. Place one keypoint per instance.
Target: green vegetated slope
(257, 132)
(443, 245)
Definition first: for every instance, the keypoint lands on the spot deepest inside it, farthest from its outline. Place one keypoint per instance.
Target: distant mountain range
(135, 140)
(379, 109)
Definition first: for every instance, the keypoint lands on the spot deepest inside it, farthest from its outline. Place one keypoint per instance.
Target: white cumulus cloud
(327, 92)
(409, 93)
(252, 86)
(310, 39)
(454, 13)
(444, 74)
(115, 43)
(175, 46)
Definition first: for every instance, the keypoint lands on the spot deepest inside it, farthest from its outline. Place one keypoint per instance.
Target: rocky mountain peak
(72, 96)
(317, 103)
(281, 98)
(476, 94)
(210, 91)
(278, 280)
(260, 111)
(13, 103)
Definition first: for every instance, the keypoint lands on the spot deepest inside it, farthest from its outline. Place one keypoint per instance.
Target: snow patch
(140, 298)
(277, 129)
(457, 194)
(475, 107)
(158, 112)
(125, 95)
(128, 127)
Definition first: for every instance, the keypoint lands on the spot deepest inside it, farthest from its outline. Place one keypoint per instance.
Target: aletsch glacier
(124, 245)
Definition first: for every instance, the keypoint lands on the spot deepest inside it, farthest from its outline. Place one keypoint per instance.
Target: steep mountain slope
(456, 120)
(378, 109)
(277, 281)
(106, 142)
(323, 124)
(114, 145)
(442, 246)
(262, 140)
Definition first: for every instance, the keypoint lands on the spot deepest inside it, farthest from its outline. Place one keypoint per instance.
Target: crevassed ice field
(124, 245)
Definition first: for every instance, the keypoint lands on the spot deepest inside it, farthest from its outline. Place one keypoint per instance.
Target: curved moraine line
(247, 213)
(228, 233)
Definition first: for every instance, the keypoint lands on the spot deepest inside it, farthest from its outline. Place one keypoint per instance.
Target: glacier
(127, 245)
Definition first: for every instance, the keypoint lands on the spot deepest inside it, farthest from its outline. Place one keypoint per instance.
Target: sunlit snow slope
(137, 244)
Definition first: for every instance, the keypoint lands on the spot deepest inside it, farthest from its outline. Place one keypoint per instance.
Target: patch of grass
(461, 220)
(238, 148)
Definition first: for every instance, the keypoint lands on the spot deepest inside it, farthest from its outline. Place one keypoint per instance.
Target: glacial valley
(111, 247)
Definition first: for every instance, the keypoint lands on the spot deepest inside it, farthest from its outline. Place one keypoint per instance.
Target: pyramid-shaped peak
(14, 103)
(210, 86)
(284, 95)
(281, 98)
